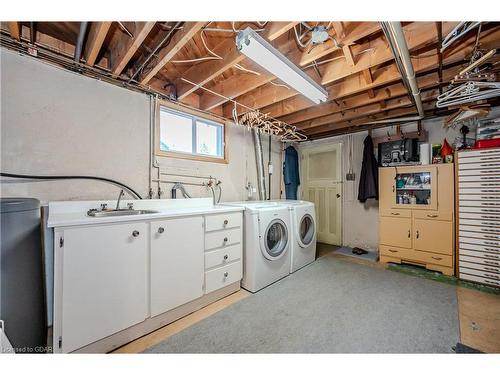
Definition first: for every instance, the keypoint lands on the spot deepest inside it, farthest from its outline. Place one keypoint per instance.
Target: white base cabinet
(104, 282)
(176, 263)
(118, 281)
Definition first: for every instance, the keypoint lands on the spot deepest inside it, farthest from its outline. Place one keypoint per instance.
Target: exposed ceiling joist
(203, 73)
(95, 39)
(300, 58)
(179, 40)
(127, 46)
(288, 101)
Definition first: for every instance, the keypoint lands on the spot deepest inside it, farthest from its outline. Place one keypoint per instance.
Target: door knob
(135, 233)
(161, 230)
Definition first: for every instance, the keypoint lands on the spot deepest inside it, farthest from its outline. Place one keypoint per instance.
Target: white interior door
(322, 184)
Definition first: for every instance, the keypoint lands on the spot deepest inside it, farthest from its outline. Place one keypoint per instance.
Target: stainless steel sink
(120, 212)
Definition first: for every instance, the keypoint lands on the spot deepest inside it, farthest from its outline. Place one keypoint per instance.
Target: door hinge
(60, 342)
(61, 241)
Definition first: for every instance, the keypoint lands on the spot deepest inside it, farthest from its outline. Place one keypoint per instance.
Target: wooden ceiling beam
(326, 122)
(348, 55)
(289, 49)
(95, 39)
(286, 102)
(203, 73)
(15, 30)
(178, 40)
(126, 46)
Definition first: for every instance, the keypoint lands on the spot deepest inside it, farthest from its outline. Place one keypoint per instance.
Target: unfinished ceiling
(353, 62)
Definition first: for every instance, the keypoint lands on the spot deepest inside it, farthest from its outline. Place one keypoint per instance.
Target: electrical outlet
(350, 176)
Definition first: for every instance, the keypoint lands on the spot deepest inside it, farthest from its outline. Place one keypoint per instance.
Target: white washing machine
(303, 220)
(266, 243)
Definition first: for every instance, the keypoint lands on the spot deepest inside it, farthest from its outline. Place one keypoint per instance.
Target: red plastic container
(487, 143)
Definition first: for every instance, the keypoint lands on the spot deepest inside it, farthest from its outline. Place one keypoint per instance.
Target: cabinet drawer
(478, 153)
(486, 232)
(495, 185)
(491, 191)
(480, 267)
(467, 239)
(479, 279)
(395, 213)
(491, 164)
(440, 259)
(223, 221)
(480, 254)
(223, 256)
(479, 204)
(224, 238)
(479, 214)
(433, 236)
(433, 215)
(395, 231)
(483, 261)
(472, 271)
(481, 198)
(479, 178)
(223, 276)
(480, 222)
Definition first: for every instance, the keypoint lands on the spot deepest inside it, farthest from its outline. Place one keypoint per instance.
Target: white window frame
(194, 116)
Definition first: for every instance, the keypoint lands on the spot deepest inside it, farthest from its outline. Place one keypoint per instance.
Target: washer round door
(307, 230)
(275, 240)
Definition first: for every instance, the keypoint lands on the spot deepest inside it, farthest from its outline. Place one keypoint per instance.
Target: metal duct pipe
(397, 42)
(79, 41)
(261, 179)
(404, 53)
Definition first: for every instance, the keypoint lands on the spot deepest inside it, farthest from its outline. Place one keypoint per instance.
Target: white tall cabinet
(177, 269)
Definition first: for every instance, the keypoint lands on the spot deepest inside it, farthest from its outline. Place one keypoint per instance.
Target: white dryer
(267, 243)
(303, 220)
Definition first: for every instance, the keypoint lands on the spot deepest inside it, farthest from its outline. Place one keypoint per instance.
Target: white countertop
(73, 213)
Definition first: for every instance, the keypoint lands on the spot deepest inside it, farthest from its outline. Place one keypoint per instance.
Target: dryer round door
(306, 229)
(275, 240)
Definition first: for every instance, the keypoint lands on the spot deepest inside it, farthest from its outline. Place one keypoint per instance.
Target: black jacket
(368, 181)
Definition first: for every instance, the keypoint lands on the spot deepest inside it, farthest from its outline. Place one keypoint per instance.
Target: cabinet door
(386, 187)
(433, 235)
(103, 282)
(177, 268)
(395, 231)
(415, 188)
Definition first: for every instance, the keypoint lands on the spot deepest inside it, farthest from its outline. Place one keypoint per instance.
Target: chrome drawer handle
(437, 258)
(135, 233)
(432, 215)
(161, 230)
(226, 274)
(225, 257)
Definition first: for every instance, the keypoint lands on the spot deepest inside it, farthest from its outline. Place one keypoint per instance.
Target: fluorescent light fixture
(263, 53)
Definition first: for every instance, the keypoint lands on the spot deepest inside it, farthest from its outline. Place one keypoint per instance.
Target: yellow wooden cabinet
(416, 216)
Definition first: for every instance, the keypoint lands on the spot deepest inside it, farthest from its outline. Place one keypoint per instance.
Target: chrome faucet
(119, 199)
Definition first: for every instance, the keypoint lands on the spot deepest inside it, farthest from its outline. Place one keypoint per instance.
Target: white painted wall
(360, 220)
(57, 122)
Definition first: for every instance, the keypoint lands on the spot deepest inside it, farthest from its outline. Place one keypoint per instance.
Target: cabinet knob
(226, 222)
(135, 233)
(418, 234)
(226, 274)
(225, 257)
(225, 239)
(409, 233)
(161, 230)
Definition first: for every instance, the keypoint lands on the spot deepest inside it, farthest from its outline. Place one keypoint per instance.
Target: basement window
(189, 136)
